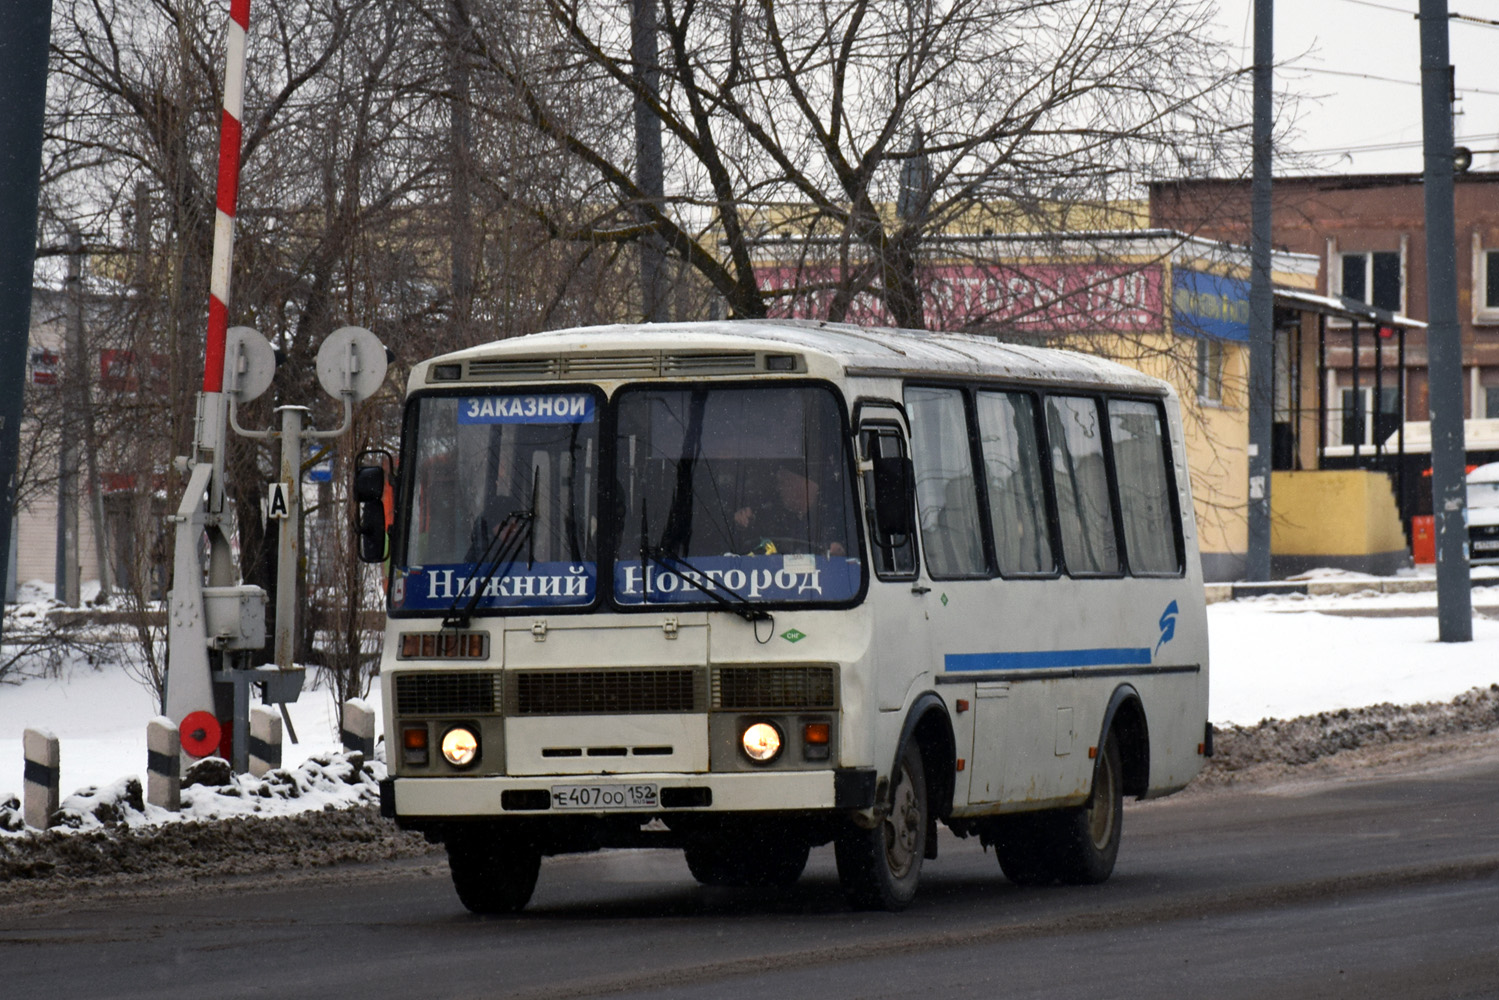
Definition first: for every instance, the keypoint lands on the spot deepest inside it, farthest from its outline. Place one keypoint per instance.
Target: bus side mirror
(369, 494)
(894, 485)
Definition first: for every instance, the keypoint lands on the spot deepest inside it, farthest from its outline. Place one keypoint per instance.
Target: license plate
(605, 797)
(1484, 544)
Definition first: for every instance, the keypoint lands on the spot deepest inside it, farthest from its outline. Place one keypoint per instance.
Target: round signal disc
(200, 734)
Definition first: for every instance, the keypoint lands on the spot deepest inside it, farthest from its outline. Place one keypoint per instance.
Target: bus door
(900, 647)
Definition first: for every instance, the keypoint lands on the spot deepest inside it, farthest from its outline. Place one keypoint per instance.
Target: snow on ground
(99, 715)
(99, 718)
(1283, 657)
(1272, 657)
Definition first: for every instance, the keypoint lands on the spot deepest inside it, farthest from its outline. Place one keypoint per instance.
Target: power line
(1482, 22)
(1383, 79)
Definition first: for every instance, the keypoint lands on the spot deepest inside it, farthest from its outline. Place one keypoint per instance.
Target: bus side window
(893, 555)
(946, 495)
(1082, 484)
(1017, 492)
(1151, 541)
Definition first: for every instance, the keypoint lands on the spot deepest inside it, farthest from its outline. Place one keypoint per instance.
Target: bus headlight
(460, 747)
(761, 742)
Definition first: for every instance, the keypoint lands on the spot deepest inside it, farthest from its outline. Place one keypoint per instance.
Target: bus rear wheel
(879, 868)
(492, 873)
(1088, 838)
(1073, 846)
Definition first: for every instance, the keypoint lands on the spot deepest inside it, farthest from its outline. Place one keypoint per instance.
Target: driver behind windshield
(790, 519)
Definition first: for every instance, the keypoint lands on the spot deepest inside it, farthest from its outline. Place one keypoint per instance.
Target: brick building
(1369, 234)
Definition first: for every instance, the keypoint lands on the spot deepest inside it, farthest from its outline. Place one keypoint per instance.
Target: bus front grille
(469, 692)
(607, 692)
(747, 688)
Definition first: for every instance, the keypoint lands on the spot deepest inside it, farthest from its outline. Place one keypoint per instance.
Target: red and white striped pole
(212, 428)
(190, 701)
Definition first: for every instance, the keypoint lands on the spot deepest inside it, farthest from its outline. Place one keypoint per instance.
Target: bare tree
(805, 117)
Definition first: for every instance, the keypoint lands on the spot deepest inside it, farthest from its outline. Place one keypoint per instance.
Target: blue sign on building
(1207, 305)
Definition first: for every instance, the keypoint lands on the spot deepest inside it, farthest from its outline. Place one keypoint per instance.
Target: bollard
(265, 740)
(41, 777)
(163, 764)
(358, 733)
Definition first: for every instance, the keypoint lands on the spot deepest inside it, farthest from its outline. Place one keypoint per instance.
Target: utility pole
(648, 165)
(66, 571)
(1261, 302)
(23, 80)
(1443, 334)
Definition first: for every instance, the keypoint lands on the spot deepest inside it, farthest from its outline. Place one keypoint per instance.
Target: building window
(1485, 284)
(1491, 402)
(1373, 277)
(1210, 370)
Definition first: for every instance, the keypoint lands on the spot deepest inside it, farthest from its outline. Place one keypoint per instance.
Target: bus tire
(879, 868)
(492, 874)
(1088, 837)
(776, 861)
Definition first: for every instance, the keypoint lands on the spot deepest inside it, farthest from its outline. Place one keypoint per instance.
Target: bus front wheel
(492, 873)
(879, 868)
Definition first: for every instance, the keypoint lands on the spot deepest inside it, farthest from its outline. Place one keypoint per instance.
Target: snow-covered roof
(854, 350)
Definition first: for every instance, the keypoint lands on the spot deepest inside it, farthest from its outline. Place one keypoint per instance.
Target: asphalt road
(1369, 887)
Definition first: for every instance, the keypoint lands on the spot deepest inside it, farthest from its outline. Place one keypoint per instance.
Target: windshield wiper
(719, 592)
(512, 530)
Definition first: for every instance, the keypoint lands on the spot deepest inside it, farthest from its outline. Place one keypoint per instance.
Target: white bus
(746, 588)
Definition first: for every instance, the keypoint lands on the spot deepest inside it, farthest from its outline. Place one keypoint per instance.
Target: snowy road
(1379, 887)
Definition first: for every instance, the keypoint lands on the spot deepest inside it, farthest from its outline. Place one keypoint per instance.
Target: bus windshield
(502, 508)
(737, 495)
(740, 490)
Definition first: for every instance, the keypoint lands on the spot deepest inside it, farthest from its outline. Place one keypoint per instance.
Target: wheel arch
(1125, 717)
(930, 727)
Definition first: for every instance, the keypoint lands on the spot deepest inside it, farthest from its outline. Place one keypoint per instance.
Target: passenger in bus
(790, 519)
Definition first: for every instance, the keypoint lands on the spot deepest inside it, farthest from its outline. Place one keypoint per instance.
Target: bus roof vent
(710, 363)
(636, 365)
(513, 368)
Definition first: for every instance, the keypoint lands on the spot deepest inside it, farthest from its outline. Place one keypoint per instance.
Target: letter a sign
(278, 501)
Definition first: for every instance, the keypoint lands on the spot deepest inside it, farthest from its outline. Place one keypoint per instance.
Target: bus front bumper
(763, 791)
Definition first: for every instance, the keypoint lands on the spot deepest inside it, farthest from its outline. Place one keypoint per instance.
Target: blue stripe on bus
(1045, 658)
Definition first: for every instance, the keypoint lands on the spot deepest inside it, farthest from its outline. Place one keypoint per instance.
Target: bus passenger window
(1082, 483)
(893, 555)
(1017, 493)
(1150, 538)
(946, 497)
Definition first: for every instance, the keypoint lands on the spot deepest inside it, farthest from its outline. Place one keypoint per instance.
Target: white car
(1483, 514)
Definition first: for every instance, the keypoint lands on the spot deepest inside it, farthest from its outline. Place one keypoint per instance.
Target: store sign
(1208, 305)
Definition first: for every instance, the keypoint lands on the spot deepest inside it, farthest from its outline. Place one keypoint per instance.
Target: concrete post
(41, 777)
(265, 740)
(358, 733)
(163, 764)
